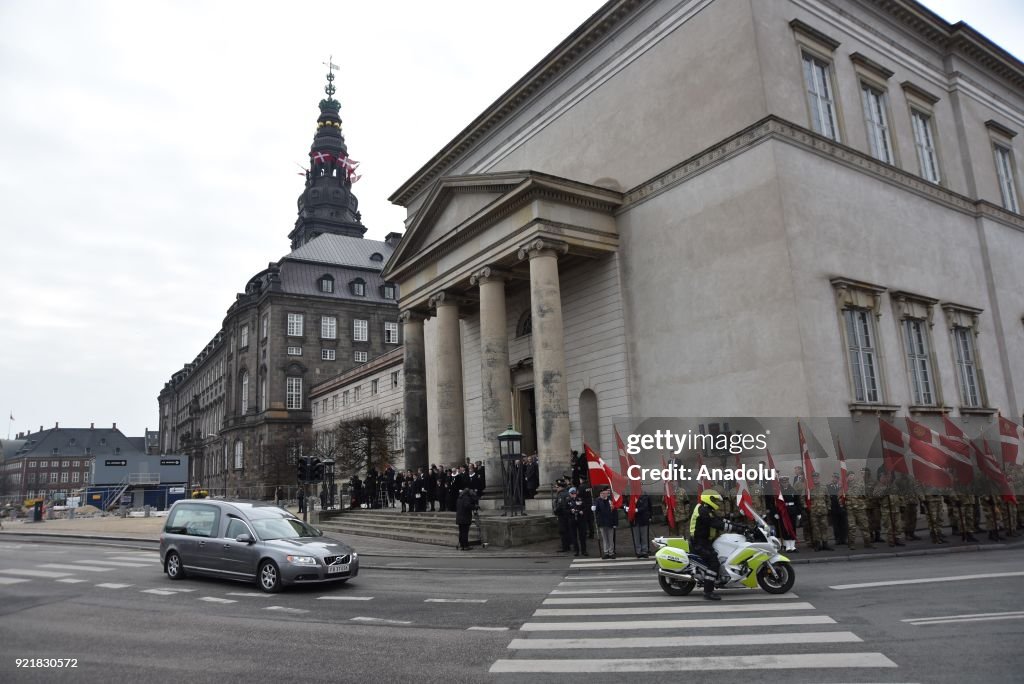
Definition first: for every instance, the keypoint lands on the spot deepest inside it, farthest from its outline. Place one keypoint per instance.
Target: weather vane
(331, 66)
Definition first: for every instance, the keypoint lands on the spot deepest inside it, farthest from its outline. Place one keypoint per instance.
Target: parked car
(251, 542)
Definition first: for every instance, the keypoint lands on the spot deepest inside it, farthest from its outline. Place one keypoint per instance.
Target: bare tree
(363, 443)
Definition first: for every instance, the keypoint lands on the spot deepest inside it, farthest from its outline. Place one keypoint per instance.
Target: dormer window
(326, 283)
(376, 256)
(388, 291)
(358, 287)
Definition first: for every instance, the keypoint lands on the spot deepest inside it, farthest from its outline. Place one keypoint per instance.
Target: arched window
(263, 394)
(358, 287)
(376, 256)
(238, 454)
(244, 400)
(326, 283)
(525, 325)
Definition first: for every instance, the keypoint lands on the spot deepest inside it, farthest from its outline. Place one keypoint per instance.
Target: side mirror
(244, 538)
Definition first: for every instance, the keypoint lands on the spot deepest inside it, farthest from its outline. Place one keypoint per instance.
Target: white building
(726, 208)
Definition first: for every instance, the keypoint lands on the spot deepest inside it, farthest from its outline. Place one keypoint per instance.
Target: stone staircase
(427, 528)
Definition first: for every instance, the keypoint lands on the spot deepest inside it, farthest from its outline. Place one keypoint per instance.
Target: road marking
(708, 640)
(381, 621)
(591, 582)
(136, 559)
(285, 609)
(591, 578)
(14, 580)
(36, 573)
(611, 564)
(926, 580)
(824, 661)
(177, 589)
(489, 629)
(159, 592)
(72, 581)
(344, 598)
(117, 564)
(113, 585)
(444, 600)
(246, 593)
(659, 610)
(76, 568)
(652, 590)
(971, 617)
(675, 624)
(214, 599)
(748, 595)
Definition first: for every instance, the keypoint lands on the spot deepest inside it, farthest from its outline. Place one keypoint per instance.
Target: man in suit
(607, 520)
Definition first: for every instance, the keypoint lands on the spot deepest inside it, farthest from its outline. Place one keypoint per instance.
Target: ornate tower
(327, 204)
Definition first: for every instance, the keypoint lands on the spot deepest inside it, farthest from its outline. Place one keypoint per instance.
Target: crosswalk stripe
(112, 585)
(383, 621)
(590, 578)
(214, 599)
(136, 559)
(960, 617)
(36, 573)
(715, 640)
(178, 589)
(926, 580)
(652, 589)
(12, 580)
(76, 568)
(676, 624)
(487, 629)
(344, 598)
(286, 609)
(117, 564)
(71, 580)
(158, 592)
(611, 564)
(1018, 616)
(454, 600)
(605, 600)
(661, 610)
(645, 581)
(248, 593)
(816, 661)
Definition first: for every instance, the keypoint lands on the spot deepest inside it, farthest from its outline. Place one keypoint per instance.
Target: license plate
(335, 569)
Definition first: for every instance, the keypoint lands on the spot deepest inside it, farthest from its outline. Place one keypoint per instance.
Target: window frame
(927, 127)
(295, 321)
(809, 59)
(360, 357)
(878, 132)
(1003, 152)
(243, 401)
(360, 324)
(243, 336)
(328, 327)
(293, 394)
(293, 350)
(328, 355)
(390, 332)
(963, 323)
(325, 284)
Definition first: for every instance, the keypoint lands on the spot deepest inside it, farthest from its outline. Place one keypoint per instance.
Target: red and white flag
(602, 474)
(321, 157)
(990, 467)
(744, 501)
(780, 501)
(844, 478)
(903, 453)
(635, 488)
(702, 482)
(805, 457)
(1011, 437)
(669, 499)
(955, 450)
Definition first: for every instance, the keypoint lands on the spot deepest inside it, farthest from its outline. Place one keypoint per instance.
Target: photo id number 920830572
(46, 662)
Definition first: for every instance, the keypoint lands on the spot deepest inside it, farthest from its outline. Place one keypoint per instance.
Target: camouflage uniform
(989, 499)
(757, 494)
(818, 519)
(856, 512)
(934, 509)
(890, 507)
(963, 513)
(682, 511)
(912, 493)
(873, 507)
(1017, 481)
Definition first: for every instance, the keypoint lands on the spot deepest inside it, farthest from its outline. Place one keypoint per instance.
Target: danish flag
(744, 501)
(844, 482)
(602, 474)
(988, 464)
(905, 453)
(669, 498)
(321, 157)
(780, 501)
(1011, 436)
(805, 456)
(625, 461)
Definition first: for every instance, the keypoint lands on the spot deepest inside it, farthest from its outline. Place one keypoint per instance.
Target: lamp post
(329, 471)
(510, 446)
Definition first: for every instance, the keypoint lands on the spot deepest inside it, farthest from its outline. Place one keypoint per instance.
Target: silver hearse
(251, 541)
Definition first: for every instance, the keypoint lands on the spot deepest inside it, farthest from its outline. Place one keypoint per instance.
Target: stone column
(451, 435)
(415, 397)
(548, 357)
(495, 377)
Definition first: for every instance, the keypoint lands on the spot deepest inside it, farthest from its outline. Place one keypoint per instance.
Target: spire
(327, 204)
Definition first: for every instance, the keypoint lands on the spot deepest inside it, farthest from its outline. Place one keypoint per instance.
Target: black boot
(709, 591)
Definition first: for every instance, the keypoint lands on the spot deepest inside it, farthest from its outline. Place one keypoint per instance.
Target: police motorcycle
(748, 555)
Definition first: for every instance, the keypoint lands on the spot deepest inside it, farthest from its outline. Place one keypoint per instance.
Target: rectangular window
(389, 292)
(860, 339)
(334, 403)
(294, 351)
(394, 380)
(265, 326)
(1007, 182)
(31, 464)
(53, 477)
(391, 333)
(53, 464)
(316, 409)
(355, 395)
(360, 357)
(75, 477)
(919, 362)
(879, 137)
(967, 367)
(328, 327)
(243, 337)
(65, 464)
(924, 141)
(294, 393)
(344, 398)
(820, 98)
(373, 387)
(64, 477)
(294, 325)
(327, 285)
(360, 330)
(327, 354)
(76, 464)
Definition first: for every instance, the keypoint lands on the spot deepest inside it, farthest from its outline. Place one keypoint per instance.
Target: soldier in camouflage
(963, 514)
(856, 513)
(912, 494)
(890, 506)
(819, 514)
(681, 508)
(934, 503)
(989, 498)
(872, 506)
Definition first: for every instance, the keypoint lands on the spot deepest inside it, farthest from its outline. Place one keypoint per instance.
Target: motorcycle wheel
(674, 587)
(776, 585)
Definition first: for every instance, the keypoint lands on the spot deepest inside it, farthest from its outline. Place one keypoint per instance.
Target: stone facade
(718, 193)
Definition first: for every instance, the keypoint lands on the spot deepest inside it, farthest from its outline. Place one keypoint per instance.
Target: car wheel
(269, 577)
(173, 567)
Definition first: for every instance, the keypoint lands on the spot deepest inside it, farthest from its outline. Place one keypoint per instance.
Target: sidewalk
(146, 531)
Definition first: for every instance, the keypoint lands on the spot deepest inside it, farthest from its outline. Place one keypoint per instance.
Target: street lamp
(510, 447)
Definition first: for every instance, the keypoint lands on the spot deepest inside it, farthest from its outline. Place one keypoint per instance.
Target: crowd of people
(436, 489)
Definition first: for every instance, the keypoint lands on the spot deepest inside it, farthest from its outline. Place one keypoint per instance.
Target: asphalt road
(114, 611)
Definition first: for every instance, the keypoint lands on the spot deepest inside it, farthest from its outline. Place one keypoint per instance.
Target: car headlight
(355, 556)
(301, 560)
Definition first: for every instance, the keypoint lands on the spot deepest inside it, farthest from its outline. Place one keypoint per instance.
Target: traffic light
(318, 470)
(302, 469)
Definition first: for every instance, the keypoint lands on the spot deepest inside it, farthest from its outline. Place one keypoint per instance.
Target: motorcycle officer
(705, 526)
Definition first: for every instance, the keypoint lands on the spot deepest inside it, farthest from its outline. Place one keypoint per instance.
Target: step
(439, 538)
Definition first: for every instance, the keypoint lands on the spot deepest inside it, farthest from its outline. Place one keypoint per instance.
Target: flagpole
(10, 419)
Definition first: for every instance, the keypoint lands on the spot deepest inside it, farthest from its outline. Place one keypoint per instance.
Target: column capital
(412, 316)
(445, 298)
(489, 274)
(542, 247)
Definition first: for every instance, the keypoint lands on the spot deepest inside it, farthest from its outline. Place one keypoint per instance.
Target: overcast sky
(149, 151)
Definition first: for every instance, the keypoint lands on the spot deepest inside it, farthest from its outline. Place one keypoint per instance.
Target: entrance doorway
(524, 415)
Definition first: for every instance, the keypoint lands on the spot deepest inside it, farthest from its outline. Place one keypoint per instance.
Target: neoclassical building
(720, 208)
(241, 408)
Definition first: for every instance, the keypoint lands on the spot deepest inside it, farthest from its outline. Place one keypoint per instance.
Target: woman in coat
(464, 507)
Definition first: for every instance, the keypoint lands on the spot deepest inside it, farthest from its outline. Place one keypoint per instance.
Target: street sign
(175, 490)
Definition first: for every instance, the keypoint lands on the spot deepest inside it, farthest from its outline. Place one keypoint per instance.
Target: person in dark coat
(432, 487)
(464, 507)
(641, 525)
(482, 484)
(607, 520)
(453, 489)
(532, 475)
(578, 514)
(302, 500)
(441, 479)
(561, 510)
